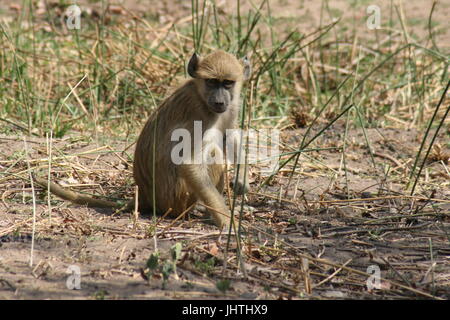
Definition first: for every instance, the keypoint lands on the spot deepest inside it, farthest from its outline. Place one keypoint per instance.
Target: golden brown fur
(220, 65)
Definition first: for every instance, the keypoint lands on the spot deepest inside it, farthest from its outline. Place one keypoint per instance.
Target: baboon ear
(193, 65)
(247, 68)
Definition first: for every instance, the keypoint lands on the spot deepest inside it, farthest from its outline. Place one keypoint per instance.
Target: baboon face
(218, 94)
(218, 76)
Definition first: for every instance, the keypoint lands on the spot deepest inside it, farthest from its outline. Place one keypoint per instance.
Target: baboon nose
(218, 106)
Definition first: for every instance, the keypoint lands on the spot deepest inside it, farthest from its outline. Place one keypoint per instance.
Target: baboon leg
(242, 184)
(239, 159)
(221, 184)
(199, 182)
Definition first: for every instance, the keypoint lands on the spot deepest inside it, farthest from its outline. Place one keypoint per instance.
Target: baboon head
(219, 78)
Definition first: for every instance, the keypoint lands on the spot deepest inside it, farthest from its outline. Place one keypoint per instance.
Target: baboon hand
(242, 187)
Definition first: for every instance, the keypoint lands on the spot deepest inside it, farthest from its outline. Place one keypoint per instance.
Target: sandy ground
(305, 15)
(111, 250)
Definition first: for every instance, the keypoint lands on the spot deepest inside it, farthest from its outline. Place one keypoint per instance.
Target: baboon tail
(76, 197)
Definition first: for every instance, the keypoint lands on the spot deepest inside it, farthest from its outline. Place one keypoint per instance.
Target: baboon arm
(197, 179)
(75, 197)
(239, 161)
(243, 185)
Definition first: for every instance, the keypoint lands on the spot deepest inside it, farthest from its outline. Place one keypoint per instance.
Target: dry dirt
(305, 15)
(392, 232)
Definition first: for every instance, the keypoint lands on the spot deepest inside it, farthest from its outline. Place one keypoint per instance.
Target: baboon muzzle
(219, 100)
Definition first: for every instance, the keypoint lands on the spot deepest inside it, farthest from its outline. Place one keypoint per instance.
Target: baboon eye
(212, 83)
(228, 84)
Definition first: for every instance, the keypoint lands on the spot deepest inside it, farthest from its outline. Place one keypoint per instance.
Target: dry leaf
(214, 250)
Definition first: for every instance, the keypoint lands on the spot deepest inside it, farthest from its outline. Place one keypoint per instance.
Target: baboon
(211, 98)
